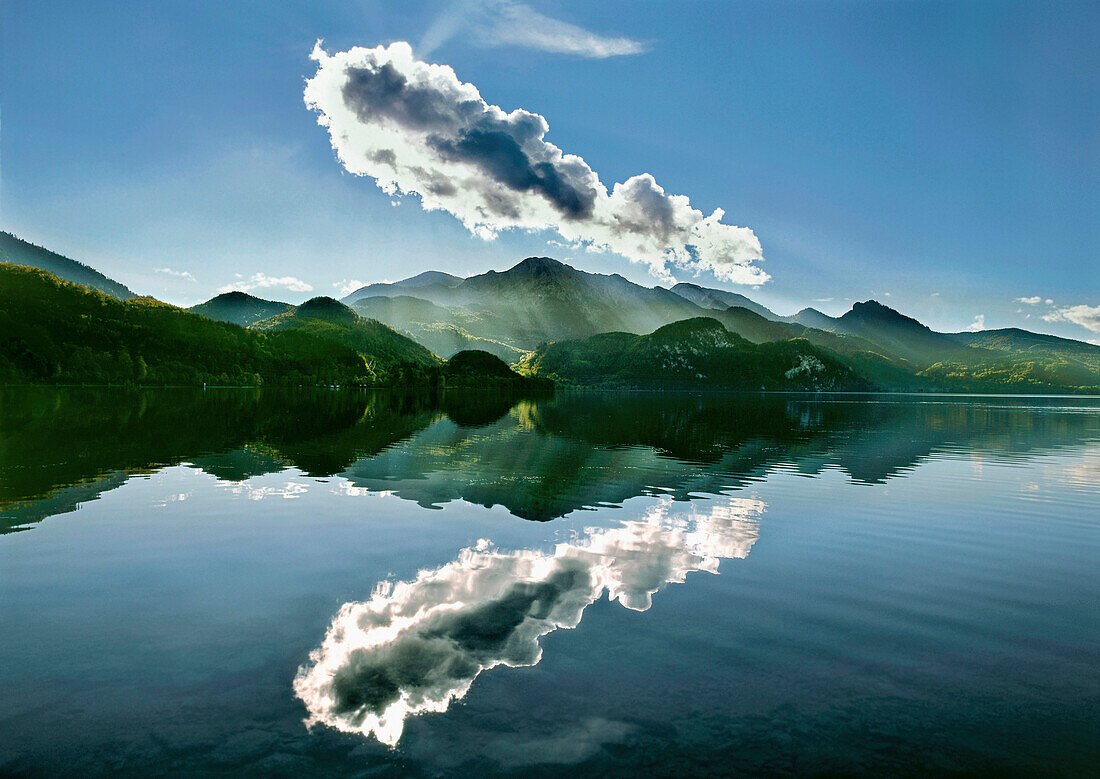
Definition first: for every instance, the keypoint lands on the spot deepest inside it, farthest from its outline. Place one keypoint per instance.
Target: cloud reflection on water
(416, 646)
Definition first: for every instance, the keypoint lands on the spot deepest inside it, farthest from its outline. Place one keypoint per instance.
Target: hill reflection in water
(539, 458)
(922, 591)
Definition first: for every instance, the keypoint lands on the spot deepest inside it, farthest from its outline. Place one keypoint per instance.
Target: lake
(305, 582)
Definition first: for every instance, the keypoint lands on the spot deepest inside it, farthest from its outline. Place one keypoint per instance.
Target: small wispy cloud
(824, 300)
(1031, 301)
(347, 286)
(263, 281)
(977, 324)
(506, 23)
(521, 25)
(179, 274)
(1086, 316)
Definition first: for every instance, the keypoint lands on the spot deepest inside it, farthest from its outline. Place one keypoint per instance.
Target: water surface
(306, 582)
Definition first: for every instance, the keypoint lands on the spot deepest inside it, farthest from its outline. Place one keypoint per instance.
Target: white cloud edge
(347, 286)
(263, 281)
(1086, 316)
(180, 274)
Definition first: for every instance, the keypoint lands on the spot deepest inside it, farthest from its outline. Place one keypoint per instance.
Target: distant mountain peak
(685, 285)
(430, 277)
(539, 266)
(427, 279)
(872, 309)
(693, 326)
(240, 308)
(324, 307)
(719, 299)
(873, 306)
(236, 296)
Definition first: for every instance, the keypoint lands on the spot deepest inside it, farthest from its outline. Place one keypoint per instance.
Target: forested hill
(57, 331)
(696, 353)
(19, 252)
(240, 308)
(327, 318)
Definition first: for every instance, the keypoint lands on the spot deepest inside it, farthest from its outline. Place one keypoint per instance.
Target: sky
(942, 158)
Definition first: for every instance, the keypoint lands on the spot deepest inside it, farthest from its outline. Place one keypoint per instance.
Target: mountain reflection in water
(922, 592)
(416, 646)
(539, 458)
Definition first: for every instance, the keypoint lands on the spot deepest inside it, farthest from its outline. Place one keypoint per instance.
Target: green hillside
(694, 353)
(19, 252)
(474, 368)
(1036, 346)
(1046, 374)
(389, 356)
(867, 359)
(440, 329)
(57, 331)
(899, 335)
(240, 308)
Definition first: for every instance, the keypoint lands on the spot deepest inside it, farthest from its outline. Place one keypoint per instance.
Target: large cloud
(416, 646)
(416, 129)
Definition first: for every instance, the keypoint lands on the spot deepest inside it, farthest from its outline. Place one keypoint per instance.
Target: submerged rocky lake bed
(305, 582)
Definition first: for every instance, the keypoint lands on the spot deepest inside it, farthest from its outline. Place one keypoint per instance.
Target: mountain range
(542, 315)
(541, 300)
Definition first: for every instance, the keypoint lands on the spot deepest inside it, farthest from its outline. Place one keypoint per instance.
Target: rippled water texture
(298, 583)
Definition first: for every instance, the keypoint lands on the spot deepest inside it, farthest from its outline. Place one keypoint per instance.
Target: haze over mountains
(541, 316)
(543, 300)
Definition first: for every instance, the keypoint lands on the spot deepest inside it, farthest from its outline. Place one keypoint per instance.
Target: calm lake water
(237, 581)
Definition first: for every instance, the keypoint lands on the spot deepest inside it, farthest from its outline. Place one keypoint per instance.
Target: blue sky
(942, 158)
